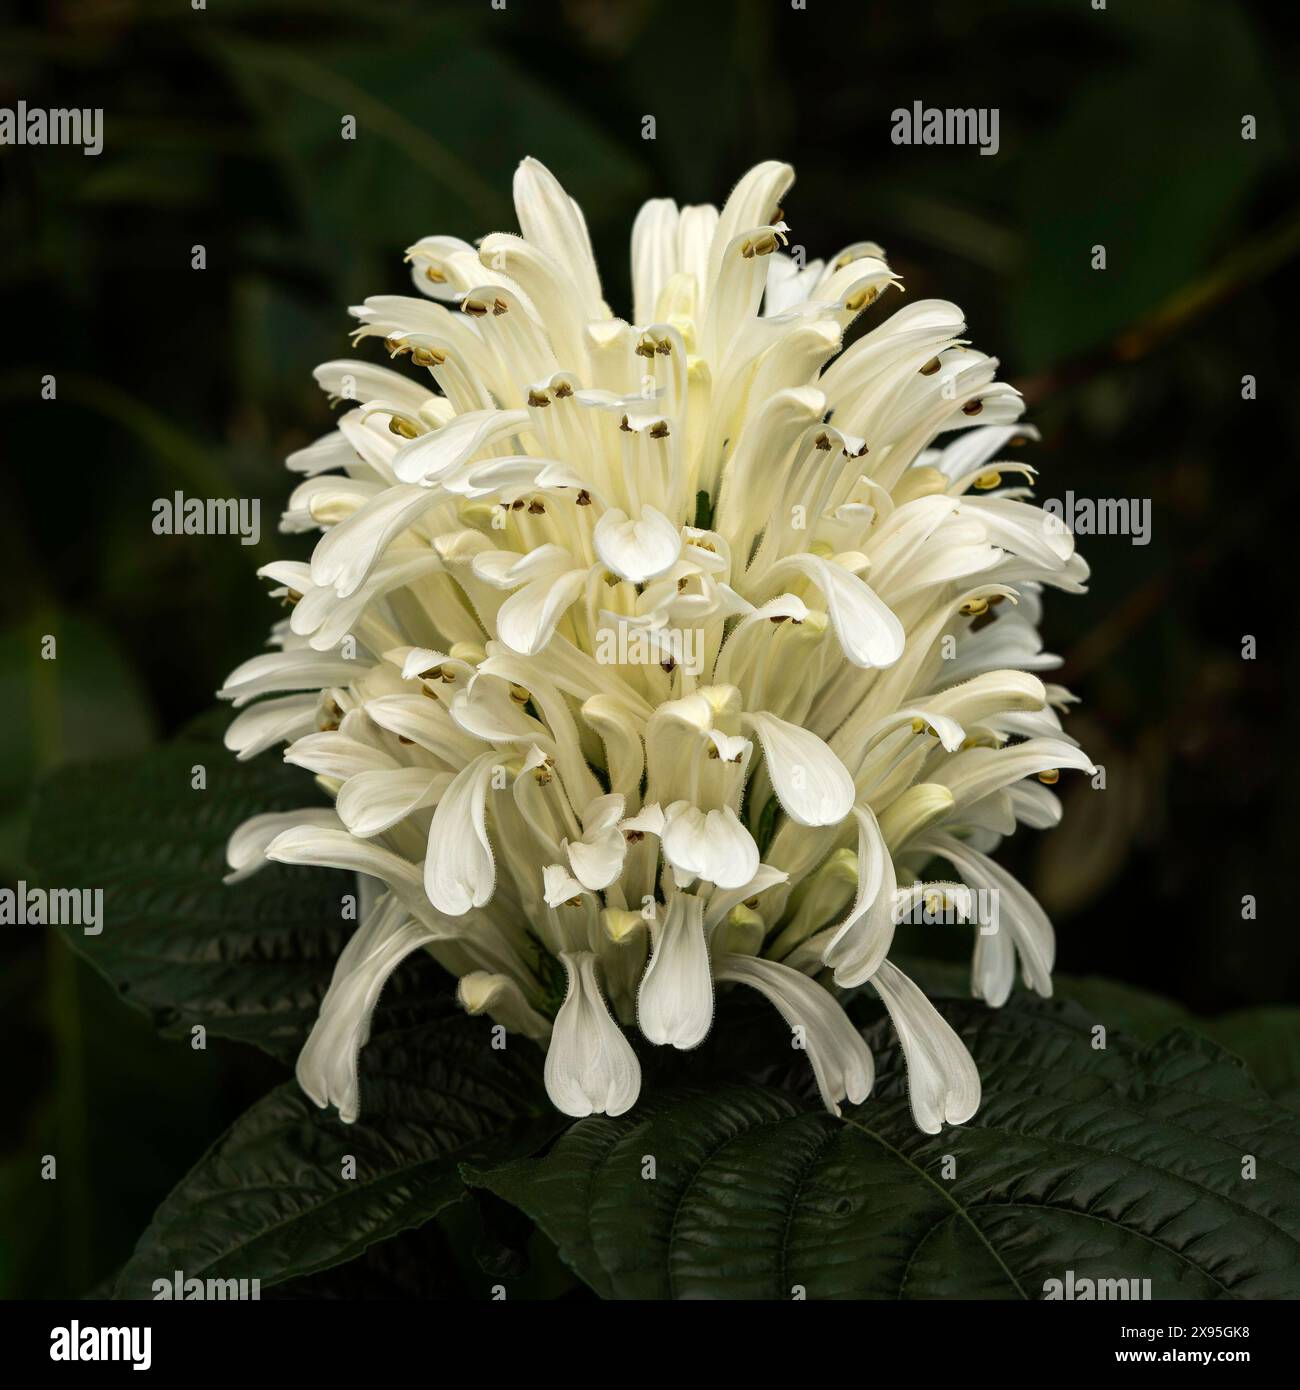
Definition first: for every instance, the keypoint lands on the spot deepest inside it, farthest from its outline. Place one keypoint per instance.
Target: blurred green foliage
(1120, 127)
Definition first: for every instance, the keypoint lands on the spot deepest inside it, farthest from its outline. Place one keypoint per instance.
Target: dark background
(1120, 127)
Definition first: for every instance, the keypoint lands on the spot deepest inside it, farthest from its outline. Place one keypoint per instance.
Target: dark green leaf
(415, 1265)
(1268, 1041)
(271, 1201)
(1115, 1163)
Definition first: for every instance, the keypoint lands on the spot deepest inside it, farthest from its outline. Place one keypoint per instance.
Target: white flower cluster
(643, 659)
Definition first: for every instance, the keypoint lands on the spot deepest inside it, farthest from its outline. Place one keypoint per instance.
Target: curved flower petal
(327, 1065)
(637, 549)
(841, 1060)
(374, 801)
(810, 782)
(526, 621)
(868, 629)
(247, 846)
(459, 870)
(942, 1082)
(863, 939)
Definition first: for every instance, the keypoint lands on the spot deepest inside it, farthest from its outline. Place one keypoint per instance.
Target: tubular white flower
(674, 654)
(590, 1066)
(675, 1004)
